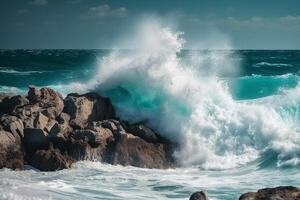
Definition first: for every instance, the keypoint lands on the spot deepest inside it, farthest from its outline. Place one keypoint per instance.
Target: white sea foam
(187, 102)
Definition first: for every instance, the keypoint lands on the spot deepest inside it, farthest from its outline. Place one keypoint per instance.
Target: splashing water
(186, 101)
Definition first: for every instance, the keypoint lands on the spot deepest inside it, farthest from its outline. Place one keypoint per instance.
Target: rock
(132, 150)
(113, 125)
(96, 137)
(14, 125)
(278, 193)
(50, 133)
(50, 160)
(79, 149)
(64, 127)
(10, 152)
(34, 94)
(87, 108)
(9, 104)
(198, 196)
(50, 102)
(40, 121)
(143, 132)
(35, 139)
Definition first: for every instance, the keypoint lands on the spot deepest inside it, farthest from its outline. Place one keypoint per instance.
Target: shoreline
(49, 132)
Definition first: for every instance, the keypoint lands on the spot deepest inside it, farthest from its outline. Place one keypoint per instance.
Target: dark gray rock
(35, 139)
(9, 104)
(198, 196)
(143, 132)
(50, 160)
(278, 193)
(10, 152)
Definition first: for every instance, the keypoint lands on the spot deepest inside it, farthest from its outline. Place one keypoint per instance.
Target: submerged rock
(198, 196)
(278, 193)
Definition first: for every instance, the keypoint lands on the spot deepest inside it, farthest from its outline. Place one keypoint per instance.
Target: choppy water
(235, 113)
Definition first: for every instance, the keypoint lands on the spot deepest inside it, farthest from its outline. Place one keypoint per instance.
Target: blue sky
(245, 24)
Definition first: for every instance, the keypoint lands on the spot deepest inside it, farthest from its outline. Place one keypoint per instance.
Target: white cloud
(105, 10)
(38, 2)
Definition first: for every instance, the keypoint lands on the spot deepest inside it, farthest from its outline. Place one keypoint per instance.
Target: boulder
(143, 132)
(9, 104)
(50, 102)
(278, 193)
(87, 108)
(10, 152)
(14, 125)
(34, 94)
(40, 121)
(78, 149)
(35, 139)
(132, 150)
(113, 125)
(198, 196)
(97, 136)
(50, 160)
(63, 129)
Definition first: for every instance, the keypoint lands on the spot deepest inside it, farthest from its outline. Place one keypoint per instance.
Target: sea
(234, 113)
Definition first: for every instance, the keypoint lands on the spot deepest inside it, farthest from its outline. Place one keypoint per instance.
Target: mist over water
(235, 115)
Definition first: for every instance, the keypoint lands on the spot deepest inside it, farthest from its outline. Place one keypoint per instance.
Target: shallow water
(89, 180)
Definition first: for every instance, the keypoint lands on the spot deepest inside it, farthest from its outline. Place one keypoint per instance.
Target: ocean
(235, 114)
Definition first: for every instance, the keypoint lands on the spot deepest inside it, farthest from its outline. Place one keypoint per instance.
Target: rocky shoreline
(50, 133)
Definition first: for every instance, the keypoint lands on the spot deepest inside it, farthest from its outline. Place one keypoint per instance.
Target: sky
(98, 24)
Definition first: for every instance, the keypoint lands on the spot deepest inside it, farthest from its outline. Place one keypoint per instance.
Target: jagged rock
(35, 139)
(50, 160)
(64, 127)
(143, 132)
(278, 193)
(10, 152)
(198, 196)
(132, 150)
(95, 137)
(87, 108)
(9, 104)
(79, 149)
(50, 102)
(82, 127)
(111, 124)
(34, 94)
(40, 121)
(12, 124)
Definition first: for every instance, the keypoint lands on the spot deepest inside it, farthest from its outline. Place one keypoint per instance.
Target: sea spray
(186, 101)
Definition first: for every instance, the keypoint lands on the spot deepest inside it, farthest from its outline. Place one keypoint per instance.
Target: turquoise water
(235, 113)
